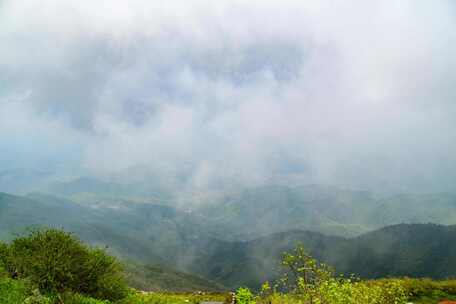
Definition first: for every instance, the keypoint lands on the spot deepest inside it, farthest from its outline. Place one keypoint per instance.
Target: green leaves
(57, 262)
(244, 296)
(12, 291)
(304, 273)
(312, 282)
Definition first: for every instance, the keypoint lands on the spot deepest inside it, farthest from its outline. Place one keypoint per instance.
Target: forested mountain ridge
(161, 235)
(251, 212)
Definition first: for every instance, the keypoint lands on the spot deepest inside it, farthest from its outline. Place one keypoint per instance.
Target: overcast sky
(360, 94)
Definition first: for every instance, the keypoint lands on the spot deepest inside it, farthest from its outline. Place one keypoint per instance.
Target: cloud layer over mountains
(209, 93)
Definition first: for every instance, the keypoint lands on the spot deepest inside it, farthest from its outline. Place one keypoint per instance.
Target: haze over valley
(198, 141)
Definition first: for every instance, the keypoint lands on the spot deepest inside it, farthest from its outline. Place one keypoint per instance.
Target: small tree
(303, 271)
(244, 296)
(57, 262)
(314, 283)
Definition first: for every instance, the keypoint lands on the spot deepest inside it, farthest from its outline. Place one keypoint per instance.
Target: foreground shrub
(4, 256)
(37, 298)
(310, 282)
(303, 274)
(12, 291)
(345, 291)
(244, 296)
(57, 262)
(71, 298)
(3, 273)
(422, 287)
(423, 290)
(342, 291)
(169, 298)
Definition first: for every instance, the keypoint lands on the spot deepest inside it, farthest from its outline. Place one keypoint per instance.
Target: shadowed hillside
(161, 235)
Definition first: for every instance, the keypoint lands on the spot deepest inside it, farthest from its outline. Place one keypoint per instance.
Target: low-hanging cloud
(208, 94)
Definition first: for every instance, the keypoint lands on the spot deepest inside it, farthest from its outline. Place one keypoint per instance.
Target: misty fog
(210, 95)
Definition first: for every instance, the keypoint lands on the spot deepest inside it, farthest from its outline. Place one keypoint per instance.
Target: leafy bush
(4, 257)
(12, 291)
(57, 262)
(3, 252)
(3, 272)
(105, 278)
(304, 274)
(244, 296)
(420, 287)
(169, 298)
(72, 298)
(37, 298)
(343, 291)
(309, 281)
(423, 290)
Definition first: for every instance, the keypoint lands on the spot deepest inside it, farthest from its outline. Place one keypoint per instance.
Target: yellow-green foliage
(424, 290)
(419, 287)
(304, 273)
(244, 296)
(310, 282)
(169, 298)
(348, 292)
(336, 291)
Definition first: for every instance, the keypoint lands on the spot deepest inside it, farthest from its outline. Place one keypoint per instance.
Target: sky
(205, 94)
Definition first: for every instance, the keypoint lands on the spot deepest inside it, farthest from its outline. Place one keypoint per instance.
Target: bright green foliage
(311, 282)
(4, 256)
(70, 298)
(3, 272)
(57, 262)
(37, 298)
(343, 291)
(12, 291)
(265, 289)
(169, 298)
(21, 292)
(244, 296)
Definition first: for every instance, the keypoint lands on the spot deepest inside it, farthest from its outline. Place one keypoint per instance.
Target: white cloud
(345, 92)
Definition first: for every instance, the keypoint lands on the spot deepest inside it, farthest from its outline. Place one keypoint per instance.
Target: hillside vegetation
(415, 250)
(252, 212)
(52, 267)
(183, 241)
(159, 278)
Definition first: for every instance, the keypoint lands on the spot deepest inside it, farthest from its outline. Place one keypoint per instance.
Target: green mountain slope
(123, 231)
(405, 250)
(255, 212)
(147, 233)
(415, 208)
(159, 278)
(161, 235)
(252, 212)
(416, 250)
(264, 210)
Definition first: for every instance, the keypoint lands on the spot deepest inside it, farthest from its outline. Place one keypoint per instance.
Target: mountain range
(238, 238)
